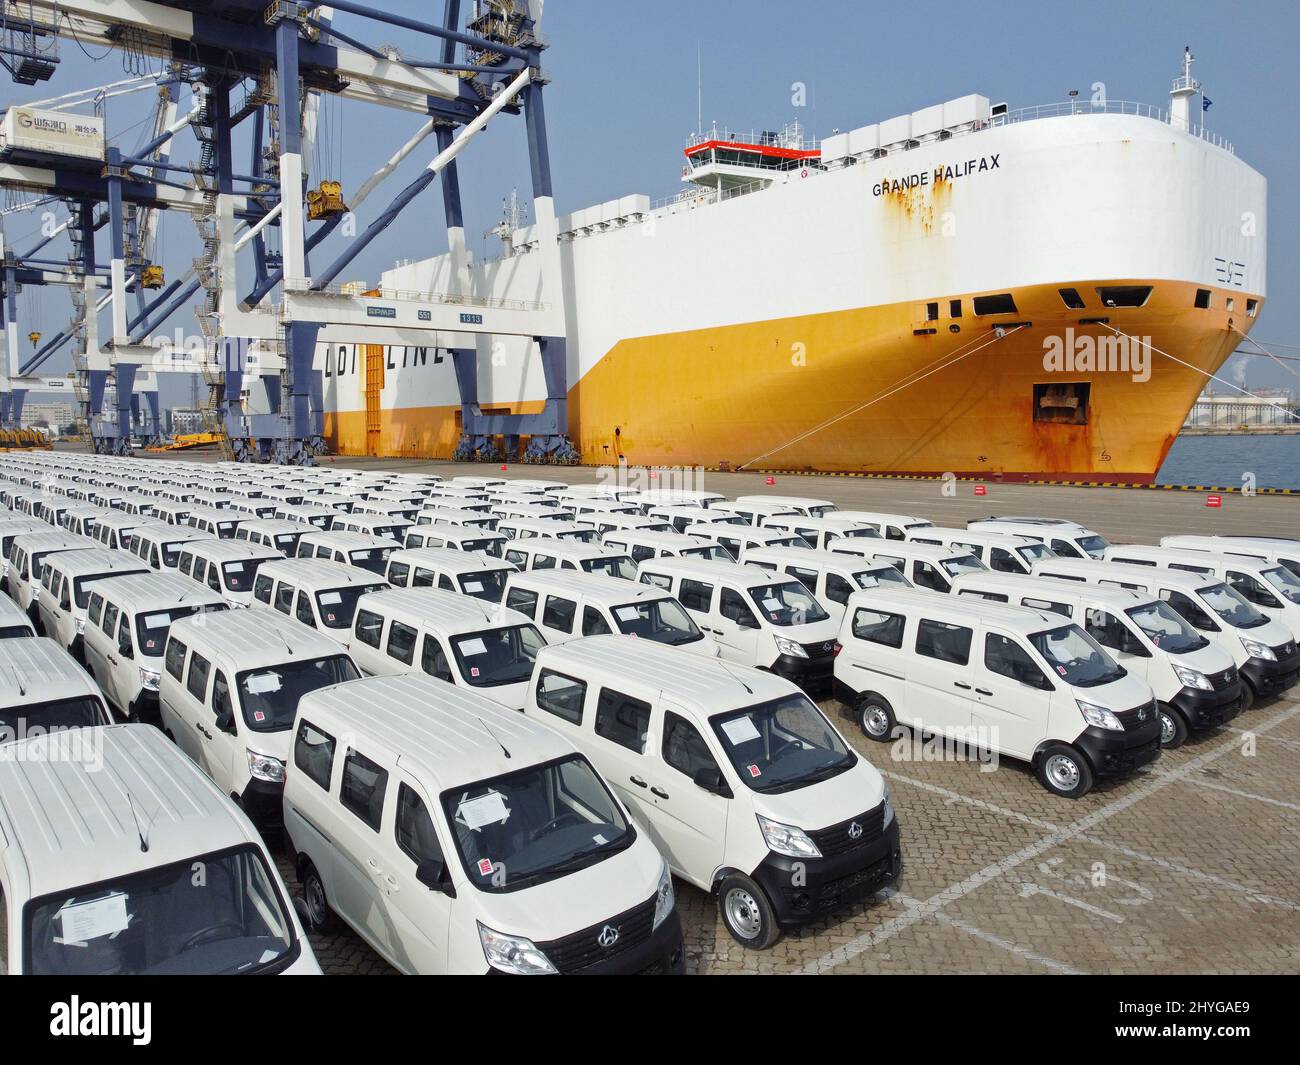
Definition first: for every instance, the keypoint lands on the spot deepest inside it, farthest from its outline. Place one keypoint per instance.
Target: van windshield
(874, 578)
(864, 532)
(1232, 607)
(1035, 552)
(1093, 544)
(1077, 657)
(82, 711)
(269, 697)
(165, 921)
(535, 825)
(787, 604)
(1166, 628)
(716, 553)
(488, 547)
(238, 576)
(338, 605)
(586, 536)
(288, 542)
(374, 559)
(617, 566)
(489, 584)
(152, 625)
(782, 745)
(1284, 581)
(955, 567)
(497, 656)
(662, 620)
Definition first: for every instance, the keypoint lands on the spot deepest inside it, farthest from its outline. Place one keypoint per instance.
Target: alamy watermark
(1073, 352)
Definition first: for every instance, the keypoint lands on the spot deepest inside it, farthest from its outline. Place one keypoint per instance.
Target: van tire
(1173, 728)
(1248, 696)
(320, 916)
(1064, 771)
(876, 717)
(747, 912)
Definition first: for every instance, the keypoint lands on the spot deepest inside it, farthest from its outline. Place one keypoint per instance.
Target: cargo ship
(966, 289)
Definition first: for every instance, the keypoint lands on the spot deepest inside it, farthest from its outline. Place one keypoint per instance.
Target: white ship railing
(402, 295)
(1107, 107)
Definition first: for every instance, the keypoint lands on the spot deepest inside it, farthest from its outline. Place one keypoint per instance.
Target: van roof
(1123, 571)
(230, 550)
(346, 541)
(906, 549)
(41, 540)
(318, 571)
(449, 610)
(96, 560)
(160, 532)
(988, 536)
(138, 592)
(1022, 619)
(785, 501)
(646, 669)
(274, 526)
(647, 538)
(254, 638)
(12, 614)
(810, 556)
(578, 582)
(1047, 587)
(711, 569)
(73, 825)
(1208, 559)
(572, 549)
(36, 669)
(449, 559)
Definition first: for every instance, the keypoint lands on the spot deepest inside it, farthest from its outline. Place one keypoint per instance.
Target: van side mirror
(124, 647)
(432, 873)
(225, 722)
(710, 779)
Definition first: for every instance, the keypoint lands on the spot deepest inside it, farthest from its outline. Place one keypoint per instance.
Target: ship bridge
(723, 159)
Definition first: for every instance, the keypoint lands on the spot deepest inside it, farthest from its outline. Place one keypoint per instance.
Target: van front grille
(602, 941)
(857, 831)
(1139, 717)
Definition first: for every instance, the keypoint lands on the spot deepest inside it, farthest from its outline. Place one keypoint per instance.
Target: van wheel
(320, 917)
(1248, 696)
(747, 913)
(1064, 771)
(876, 717)
(1173, 729)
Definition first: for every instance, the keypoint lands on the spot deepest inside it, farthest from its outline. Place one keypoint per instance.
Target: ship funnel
(1185, 87)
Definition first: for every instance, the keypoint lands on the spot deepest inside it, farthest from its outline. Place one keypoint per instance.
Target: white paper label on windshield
(330, 598)
(93, 920)
(157, 621)
(473, 586)
(472, 647)
(740, 730)
(627, 613)
(263, 683)
(488, 809)
(772, 604)
(234, 567)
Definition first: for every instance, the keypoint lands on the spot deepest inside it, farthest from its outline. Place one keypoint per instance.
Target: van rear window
(560, 695)
(877, 626)
(941, 640)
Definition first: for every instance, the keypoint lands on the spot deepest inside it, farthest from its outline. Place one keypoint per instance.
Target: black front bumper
(811, 674)
(1111, 753)
(263, 802)
(1202, 709)
(802, 888)
(145, 708)
(1272, 678)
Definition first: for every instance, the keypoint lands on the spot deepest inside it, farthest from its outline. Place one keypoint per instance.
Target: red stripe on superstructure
(761, 149)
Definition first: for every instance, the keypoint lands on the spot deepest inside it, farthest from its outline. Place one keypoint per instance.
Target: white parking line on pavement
(1242, 794)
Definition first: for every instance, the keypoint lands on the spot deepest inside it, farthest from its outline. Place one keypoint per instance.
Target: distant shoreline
(1258, 430)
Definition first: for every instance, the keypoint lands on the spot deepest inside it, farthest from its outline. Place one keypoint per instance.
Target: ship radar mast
(514, 216)
(1185, 87)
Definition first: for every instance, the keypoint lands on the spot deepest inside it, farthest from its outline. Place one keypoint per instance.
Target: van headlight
(264, 767)
(1099, 716)
(513, 954)
(1190, 678)
(1258, 650)
(149, 679)
(786, 839)
(663, 897)
(789, 647)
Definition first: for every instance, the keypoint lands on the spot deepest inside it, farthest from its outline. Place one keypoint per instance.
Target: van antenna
(504, 749)
(734, 677)
(144, 842)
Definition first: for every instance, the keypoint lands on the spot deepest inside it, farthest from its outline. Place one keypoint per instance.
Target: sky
(630, 81)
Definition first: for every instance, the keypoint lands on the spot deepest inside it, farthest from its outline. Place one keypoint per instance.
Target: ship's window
(1000, 304)
(1251, 307)
(1065, 404)
(1071, 298)
(1203, 299)
(1232, 304)
(954, 308)
(923, 332)
(932, 312)
(1124, 295)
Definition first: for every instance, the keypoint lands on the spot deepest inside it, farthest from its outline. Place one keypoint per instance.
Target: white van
(756, 513)
(925, 565)
(546, 529)
(568, 605)
(66, 580)
(1068, 539)
(1264, 650)
(809, 508)
(282, 536)
(228, 567)
(321, 595)
(104, 882)
(757, 619)
(671, 497)
(1001, 552)
(449, 636)
(81, 518)
(126, 630)
(230, 687)
(466, 519)
(606, 522)
(318, 517)
(743, 784)
(467, 572)
(457, 538)
(1281, 549)
(27, 553)
(684, 518)
(489, 843)
(890, 526)
(1027, 684)
(114, 530)
(1195, 681)
(829, 576)
(1267, 585)
(641, 545)
(736, 539)
(220, 522)
(43, 690)
(14, 623)
(372, 525)
(158, 545)
(351, 548)
(563, 554)
(821, 533)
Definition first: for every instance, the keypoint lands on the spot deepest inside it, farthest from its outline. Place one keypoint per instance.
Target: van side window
(261, 588)
(893, 532)
(186, 563)
(876, 626)
(947, 643)
(695, 595)
(559, 613)
(838, 589)
(1007, 658)
(214, 578)
(423, 578)
(96, 608)
(992, 597)
(1063, 577)
(1067, 550)
(560, 695)
(1253, 590)
(1045, 604)
(806, 577)
(1003, 561)
(433, 659)
(640, 552)
(398, 574)
(522, 600)
(684, 748)
(543, 561)
(221, 696)
(593, 622)
(414, 829)
(1107, 630)
(303, 612)
(401, 643)
(110, 618)
(732, 606)
(926, 576)
(363, 788)
(446, 583)
(516, 558)
(659, 580)
(174, 660)
(369, 627)
(622, 720)
(197, 683)
(313, 753)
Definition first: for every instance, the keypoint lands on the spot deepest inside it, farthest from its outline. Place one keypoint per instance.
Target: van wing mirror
(225, 722)
(710, 779)
(432, 873)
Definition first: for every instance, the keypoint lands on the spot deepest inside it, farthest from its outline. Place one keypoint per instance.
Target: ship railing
(776, 138)
(1105, 107)
(401, 295)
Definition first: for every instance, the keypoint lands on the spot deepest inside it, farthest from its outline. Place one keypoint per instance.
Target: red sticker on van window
(754, 771)
(473, 671)
(484, 867)
(1061, 670)
(258, 715)
(329, 617)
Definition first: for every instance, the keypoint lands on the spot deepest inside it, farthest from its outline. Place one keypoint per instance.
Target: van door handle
(959, 684)
(982, 691)
(660, 792)
(112, 661)
(373, 866)
(638, 782)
